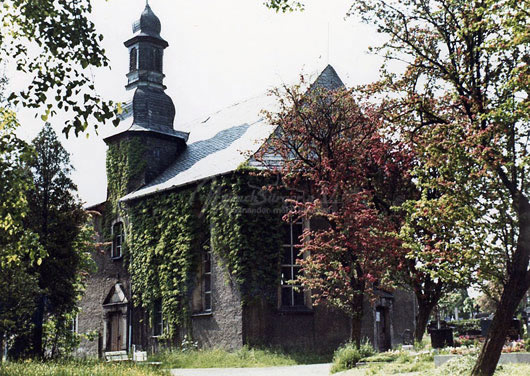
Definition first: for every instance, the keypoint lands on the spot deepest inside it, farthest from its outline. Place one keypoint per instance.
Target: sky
(220, 53)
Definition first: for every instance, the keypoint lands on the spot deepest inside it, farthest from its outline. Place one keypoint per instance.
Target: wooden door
(115, 332)
(383, 328)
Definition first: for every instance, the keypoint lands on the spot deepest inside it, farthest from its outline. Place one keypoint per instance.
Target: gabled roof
(328, 79)
(218, 144)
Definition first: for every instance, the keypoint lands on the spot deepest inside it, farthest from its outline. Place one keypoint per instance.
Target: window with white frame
(118, 236)
(292, 295)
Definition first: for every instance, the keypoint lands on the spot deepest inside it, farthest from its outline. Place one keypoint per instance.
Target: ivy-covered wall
(246, 229)
(166, 233)
(164, 240)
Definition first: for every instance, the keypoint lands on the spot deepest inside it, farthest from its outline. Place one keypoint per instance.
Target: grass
(243, 358)
(393, 363)
(77, 368)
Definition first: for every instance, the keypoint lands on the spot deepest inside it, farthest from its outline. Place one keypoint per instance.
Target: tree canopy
(350, 175)
(55, 43)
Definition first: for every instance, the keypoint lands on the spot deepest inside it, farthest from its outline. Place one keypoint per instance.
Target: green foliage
(125, 165)
(463, 327)
(77, 368)
(284, 5)
(55, 42)
(246, 227)
(15, 242)
(19, 246)
(348, 355)
(57, 217)
(164, 241)
(242, 358)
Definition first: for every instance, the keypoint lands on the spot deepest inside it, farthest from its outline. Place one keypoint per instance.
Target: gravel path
(309, 370)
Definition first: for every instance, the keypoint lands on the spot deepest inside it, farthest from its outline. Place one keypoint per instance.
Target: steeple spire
(152, 108)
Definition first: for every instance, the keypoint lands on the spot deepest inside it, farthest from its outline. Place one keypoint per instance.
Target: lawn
(243, 358)
(422, 365)
(77, 368)
(215, 358)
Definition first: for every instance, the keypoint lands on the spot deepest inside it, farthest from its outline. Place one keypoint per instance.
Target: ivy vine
(166, 234)
(164, 242)
(246, 226)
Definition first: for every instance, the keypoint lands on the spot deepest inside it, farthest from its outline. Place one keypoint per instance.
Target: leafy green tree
(55, 42)
(57, 217)
(284, 5)
(462, 101)
(19, 248)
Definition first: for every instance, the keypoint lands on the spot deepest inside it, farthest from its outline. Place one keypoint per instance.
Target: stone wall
(222, 327)
(99, 284)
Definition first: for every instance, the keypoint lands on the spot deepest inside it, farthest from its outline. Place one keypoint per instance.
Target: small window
(158, 319)
(117, 240)
(207, 281)
(202, 293)
(75, 324)
(133, 59)
(292, 296)
(157, 60)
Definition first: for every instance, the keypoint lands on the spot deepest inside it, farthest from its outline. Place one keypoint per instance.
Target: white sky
(220, 52)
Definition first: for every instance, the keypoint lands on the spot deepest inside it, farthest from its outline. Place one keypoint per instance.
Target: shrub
(466, 327)
(348, 355)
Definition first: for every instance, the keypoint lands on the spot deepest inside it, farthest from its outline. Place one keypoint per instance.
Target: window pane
(286, 234)
(286, 274)
(207, 263)
(296, 272)
(297, 232)
(298, 298)
(207, 282)
(286, 296)
(286, 258)
(207, 302)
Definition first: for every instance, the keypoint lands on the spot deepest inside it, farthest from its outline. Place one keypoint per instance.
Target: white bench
(116, 356)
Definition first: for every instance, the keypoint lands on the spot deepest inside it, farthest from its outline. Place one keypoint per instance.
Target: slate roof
(328, 79)
(218, 144)
(152, 113)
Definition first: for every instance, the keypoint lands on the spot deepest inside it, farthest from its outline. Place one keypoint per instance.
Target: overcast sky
(220, 52)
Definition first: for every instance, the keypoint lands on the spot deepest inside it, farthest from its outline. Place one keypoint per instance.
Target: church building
(167, 267)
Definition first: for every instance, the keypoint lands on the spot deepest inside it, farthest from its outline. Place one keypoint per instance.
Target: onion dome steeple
(149, 116)
(146, 52)
(148, 24)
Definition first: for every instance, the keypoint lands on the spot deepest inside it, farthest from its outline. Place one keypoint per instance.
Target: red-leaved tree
(334, 152)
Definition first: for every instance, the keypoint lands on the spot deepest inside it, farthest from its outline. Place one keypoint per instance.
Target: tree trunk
(491, 351)
(2, 348)
(38, 321)
(356, 320)
(514, 290)
(422, 319)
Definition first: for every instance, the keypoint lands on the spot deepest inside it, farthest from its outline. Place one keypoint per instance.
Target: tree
(350, 177)
(19, 248)
(57, 217)
(284, 5)
(462, 101)
(55, 42)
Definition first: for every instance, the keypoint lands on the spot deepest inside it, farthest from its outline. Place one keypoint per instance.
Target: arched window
(117, 240)
(133, 61)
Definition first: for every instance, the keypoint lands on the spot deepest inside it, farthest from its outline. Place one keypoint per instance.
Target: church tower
(145, 141)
